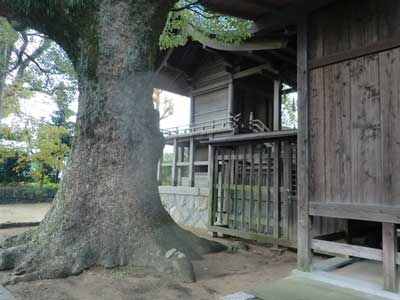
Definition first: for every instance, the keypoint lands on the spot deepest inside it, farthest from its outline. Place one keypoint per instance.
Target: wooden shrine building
(332, 183)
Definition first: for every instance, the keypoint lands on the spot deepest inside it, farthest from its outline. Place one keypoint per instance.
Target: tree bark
(108, 211)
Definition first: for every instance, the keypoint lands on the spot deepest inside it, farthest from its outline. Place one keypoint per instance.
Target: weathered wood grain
(389, 253)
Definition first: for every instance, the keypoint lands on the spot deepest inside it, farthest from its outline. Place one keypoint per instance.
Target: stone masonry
(188, 206)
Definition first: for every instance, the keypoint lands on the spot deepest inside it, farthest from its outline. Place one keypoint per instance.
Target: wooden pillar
(277, 105)
(191, 117)
(211, 154)
(179, 167)
(191, 161)
(389, 250)
(174, 164)
(304, 254)
(230, 99)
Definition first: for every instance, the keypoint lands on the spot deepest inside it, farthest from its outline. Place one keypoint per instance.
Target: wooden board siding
(212, 70)
(211, 106)
(354, 108)
(348, 25)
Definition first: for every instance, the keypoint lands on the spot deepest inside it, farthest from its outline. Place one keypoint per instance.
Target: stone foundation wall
(188, 206)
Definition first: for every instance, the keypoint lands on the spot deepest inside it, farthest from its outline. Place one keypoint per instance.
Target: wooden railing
(199, 128)
(253, 189)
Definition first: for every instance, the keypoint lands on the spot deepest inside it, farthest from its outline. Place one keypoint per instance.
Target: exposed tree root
(36, 260)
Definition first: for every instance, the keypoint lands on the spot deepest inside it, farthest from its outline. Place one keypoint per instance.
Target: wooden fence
(253, 191)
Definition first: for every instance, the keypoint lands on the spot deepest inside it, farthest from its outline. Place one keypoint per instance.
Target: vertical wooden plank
(211, 181)
(268, 185)
(304, 254)
(389, 252)
(277, 105)
(236, 183)
(251, 178)
(276, 193)
(389, 70)
(287, 188)
(228, 187)
(222, 187)
(191, 161)
(366, 132)
(331, 136)
(244, 166)
(317, 136)
(259, 189)
(174, 160)
(342, 88)
(217, 177)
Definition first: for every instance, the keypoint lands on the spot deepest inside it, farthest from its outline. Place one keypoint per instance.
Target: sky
(42, 106)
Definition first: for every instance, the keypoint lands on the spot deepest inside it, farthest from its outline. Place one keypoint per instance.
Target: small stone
(170, 253)
(184, 269)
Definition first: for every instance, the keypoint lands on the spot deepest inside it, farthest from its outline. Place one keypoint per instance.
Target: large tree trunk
(108, 211)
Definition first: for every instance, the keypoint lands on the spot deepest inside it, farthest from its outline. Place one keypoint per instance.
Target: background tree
(8, 37)
(108, 211)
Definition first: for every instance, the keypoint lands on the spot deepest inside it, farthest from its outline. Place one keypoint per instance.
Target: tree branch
(188, 6)
(32, 58)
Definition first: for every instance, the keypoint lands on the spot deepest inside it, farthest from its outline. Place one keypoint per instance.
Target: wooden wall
(210, 95)
(212, 105)
(354, 109)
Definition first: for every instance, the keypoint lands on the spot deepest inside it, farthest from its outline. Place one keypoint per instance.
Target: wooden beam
(382, 45)
(375, 213)
(261, 238)
(255, 44)
(304, 254)
(346, 249)
(389, 249)
(255, 70)
(270, 136)
(191, 161)
(239, 8)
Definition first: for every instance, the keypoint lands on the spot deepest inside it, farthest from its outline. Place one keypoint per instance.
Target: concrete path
(300, 288)
(5, 294)
(23, 213)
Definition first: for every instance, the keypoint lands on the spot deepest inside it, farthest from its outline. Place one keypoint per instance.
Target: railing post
(179, 167)
(277, 105)
(174, 157)
(191, 162)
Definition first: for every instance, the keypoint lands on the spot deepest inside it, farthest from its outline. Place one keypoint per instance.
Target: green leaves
(195, 21)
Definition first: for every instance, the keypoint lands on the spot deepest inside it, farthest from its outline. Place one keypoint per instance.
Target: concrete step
(5, 294)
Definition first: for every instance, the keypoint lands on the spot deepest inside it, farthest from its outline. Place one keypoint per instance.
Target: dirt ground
(217, 275)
